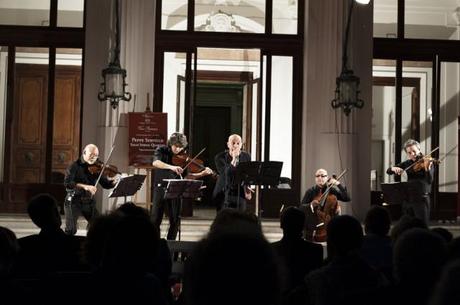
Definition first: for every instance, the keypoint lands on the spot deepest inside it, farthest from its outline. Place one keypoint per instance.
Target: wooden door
(28, 138)
(28, 145)
(66, 123)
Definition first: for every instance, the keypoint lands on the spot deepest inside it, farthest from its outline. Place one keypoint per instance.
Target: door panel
(29, 120)
(66, 123)
(29, 124)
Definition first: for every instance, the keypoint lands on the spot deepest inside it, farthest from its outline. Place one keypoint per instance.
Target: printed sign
(147, 130)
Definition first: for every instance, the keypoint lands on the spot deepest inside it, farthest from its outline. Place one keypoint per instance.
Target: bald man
(310, 201)
(80, 187)
(227, 193)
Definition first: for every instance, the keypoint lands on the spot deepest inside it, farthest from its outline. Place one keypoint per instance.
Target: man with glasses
(311, 199)
(80, 185)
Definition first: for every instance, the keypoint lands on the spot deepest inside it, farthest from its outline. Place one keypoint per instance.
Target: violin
(194, 165)
(423, 162)
(109, 170)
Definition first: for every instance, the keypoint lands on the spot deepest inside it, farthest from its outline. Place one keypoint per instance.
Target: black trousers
(420, 209)
(158, 209)
(73, 208)
(234, 202)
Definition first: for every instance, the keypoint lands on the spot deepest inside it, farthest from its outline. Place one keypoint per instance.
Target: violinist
(419, 171)
(80, 185)
(227, 194)
(165, 169)
(310, 201)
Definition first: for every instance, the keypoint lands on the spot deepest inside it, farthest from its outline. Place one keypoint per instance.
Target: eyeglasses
(322, 176)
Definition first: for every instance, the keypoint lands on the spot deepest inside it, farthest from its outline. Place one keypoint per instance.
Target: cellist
(310, 201)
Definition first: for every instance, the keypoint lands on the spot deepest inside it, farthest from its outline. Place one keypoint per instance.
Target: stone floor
(192, 228)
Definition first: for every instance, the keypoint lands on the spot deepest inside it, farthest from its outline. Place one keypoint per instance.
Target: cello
(327, 208)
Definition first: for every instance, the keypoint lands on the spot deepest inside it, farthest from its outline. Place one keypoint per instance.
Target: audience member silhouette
(232, 268)
(123, 259)
(444, 233)
(377, 248)
(405, 223)
(162, 262)
(9, 249)
(446, 291)
(51, 250)
(235, 221)
(419, 255)
(10, 290)
(453, 248)
(347, 278)
(297, 256)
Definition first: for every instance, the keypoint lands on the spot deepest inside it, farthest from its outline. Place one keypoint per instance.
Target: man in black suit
(228, 193)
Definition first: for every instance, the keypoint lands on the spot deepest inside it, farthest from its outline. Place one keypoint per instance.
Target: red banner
(147, 130)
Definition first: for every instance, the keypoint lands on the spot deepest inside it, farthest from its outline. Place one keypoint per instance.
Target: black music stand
(127, 186)
(182, 188)
(394, 193)
(403, 193)
(258, 173)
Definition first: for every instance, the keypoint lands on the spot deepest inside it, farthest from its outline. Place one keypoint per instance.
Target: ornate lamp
(113, 87)
(347, 90)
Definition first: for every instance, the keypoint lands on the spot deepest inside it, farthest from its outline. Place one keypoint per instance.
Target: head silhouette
(344, 236)
(43, 211)
(230, 269)
(292, 221)
(377, 221)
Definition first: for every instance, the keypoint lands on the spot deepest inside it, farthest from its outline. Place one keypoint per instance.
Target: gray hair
(411, 142)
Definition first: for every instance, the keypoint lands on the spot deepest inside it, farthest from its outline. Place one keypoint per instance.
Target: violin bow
(103, 165)
(448, 153)
(326, 192)
(410, 166)
(194, 158)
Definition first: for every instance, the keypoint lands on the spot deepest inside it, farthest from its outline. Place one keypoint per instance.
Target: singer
(227, 191)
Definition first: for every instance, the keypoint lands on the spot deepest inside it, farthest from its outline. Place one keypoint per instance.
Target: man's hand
(314, 203)
(397, 170)
(427, 164)
(247, 193)
(90, 188)
(177, 169)
(114, 179)
(206, 171)
(334, 181)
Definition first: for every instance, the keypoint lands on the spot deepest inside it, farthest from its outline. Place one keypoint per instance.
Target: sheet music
(187, 188)
(127, 185)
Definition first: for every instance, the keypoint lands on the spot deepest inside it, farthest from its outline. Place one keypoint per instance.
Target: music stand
(394, 193)
(258, 173)
(127, 186)
(403, 193)
(182, 188)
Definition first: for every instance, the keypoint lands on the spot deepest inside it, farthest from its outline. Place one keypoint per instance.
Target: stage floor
(193, 228)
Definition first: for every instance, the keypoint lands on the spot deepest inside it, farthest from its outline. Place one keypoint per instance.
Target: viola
(423, 162)
(194, 165)
(109, 170)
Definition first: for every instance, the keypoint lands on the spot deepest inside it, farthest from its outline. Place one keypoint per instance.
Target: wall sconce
(347, 90)
(113, 87)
